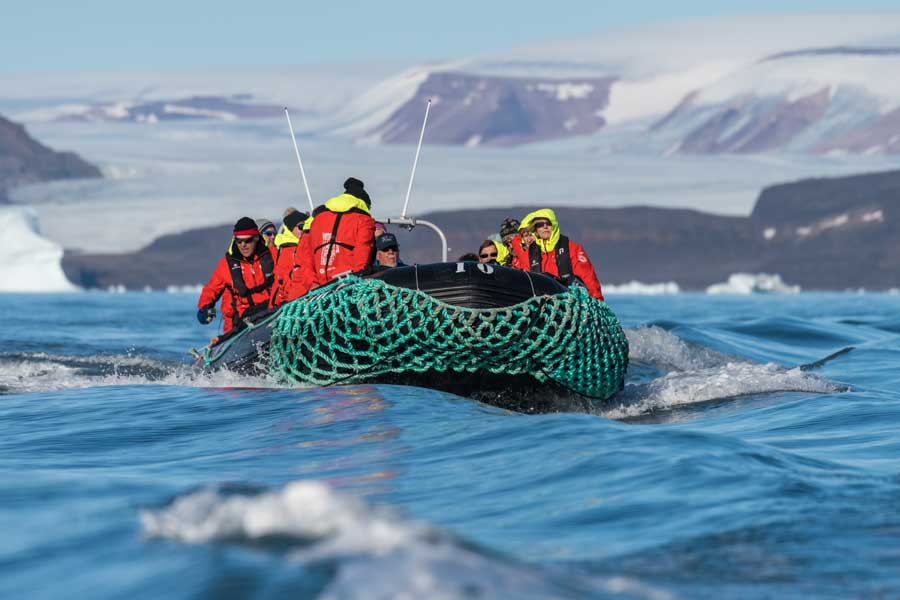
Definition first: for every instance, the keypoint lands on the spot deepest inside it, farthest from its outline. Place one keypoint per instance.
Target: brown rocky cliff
(24, 160)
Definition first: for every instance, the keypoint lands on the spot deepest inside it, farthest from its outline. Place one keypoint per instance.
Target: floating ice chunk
(32, 262)
(184, 289)
(750, 283)
(643, 289)
(876, 216)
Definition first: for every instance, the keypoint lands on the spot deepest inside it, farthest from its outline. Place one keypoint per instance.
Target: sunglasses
(494, 255)
(269, 233)
(245, 240)
(539, 224)
(391, 249)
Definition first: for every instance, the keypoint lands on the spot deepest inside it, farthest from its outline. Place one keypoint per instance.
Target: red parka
(581, 266)
(254, 287)
(518, 253)
(341, 238)
(560, 253)
(293, 271)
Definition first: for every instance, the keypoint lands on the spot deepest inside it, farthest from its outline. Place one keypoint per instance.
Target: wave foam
(727, 381)
(373, 552)
(41, 372)
(657, 346)
(698, 374)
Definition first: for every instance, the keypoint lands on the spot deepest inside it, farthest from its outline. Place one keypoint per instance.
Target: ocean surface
(724, 470)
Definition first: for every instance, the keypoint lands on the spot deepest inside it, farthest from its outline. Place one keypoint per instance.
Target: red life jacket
(241, 283)
(342, 238)
(558, 262)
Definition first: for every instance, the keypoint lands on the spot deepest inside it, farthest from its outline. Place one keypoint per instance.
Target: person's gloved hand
(206, 314)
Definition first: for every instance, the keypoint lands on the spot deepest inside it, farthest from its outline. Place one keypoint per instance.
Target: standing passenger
(342, 234)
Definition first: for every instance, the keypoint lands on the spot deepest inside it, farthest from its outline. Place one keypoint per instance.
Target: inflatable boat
(515, 339)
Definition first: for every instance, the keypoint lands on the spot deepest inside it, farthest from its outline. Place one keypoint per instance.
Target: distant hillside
(25, 160)
(830, 234)
(809, 83)
(498, 111)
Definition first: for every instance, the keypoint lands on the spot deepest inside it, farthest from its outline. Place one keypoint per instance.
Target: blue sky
(100, 35)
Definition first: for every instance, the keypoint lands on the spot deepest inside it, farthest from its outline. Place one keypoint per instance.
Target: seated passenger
(519, 243)
(555, 254)
(266, 230)
(491, 251)
(243, 279)
(342, 235)
(301, 279)
(508, 230)
(288, 244)
(387, 251)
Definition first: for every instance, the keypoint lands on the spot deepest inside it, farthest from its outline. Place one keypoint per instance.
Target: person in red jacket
(243, 279)
(342, 234)
(289, 280)
(518, 244)
(555, 254)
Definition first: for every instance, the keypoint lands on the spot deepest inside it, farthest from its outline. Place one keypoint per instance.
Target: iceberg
(33, 262)
(643, 289)
(753, 283)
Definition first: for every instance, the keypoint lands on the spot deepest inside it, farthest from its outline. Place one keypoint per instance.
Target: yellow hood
(502, 252)
(544, 213)
(346, 202)
(307, 223)
(285, 236)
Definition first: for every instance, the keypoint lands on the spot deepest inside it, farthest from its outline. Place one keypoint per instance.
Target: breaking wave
(694, 374)
(666, 373)
(26, 372)
(366, 551)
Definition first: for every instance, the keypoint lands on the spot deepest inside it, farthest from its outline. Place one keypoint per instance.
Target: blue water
(722, 471)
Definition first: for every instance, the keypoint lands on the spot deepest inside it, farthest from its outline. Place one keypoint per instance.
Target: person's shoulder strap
(563, 258)
(534, 258)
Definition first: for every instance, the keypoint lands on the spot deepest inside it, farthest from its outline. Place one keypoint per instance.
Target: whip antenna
(415, 161)
(300, 162)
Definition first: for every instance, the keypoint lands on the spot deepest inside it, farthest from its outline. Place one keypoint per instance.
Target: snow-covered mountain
(216, 94)
(808, 83)
(799, 83)
(196, 107)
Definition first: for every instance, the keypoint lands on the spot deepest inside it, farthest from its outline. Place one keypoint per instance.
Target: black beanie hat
(295, 219)
(509, 227)
(246, 226)
(356, 188)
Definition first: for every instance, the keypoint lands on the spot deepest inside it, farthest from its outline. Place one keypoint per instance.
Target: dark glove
(206, 314)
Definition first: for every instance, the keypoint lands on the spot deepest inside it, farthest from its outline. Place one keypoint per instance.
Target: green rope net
(359, 329)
